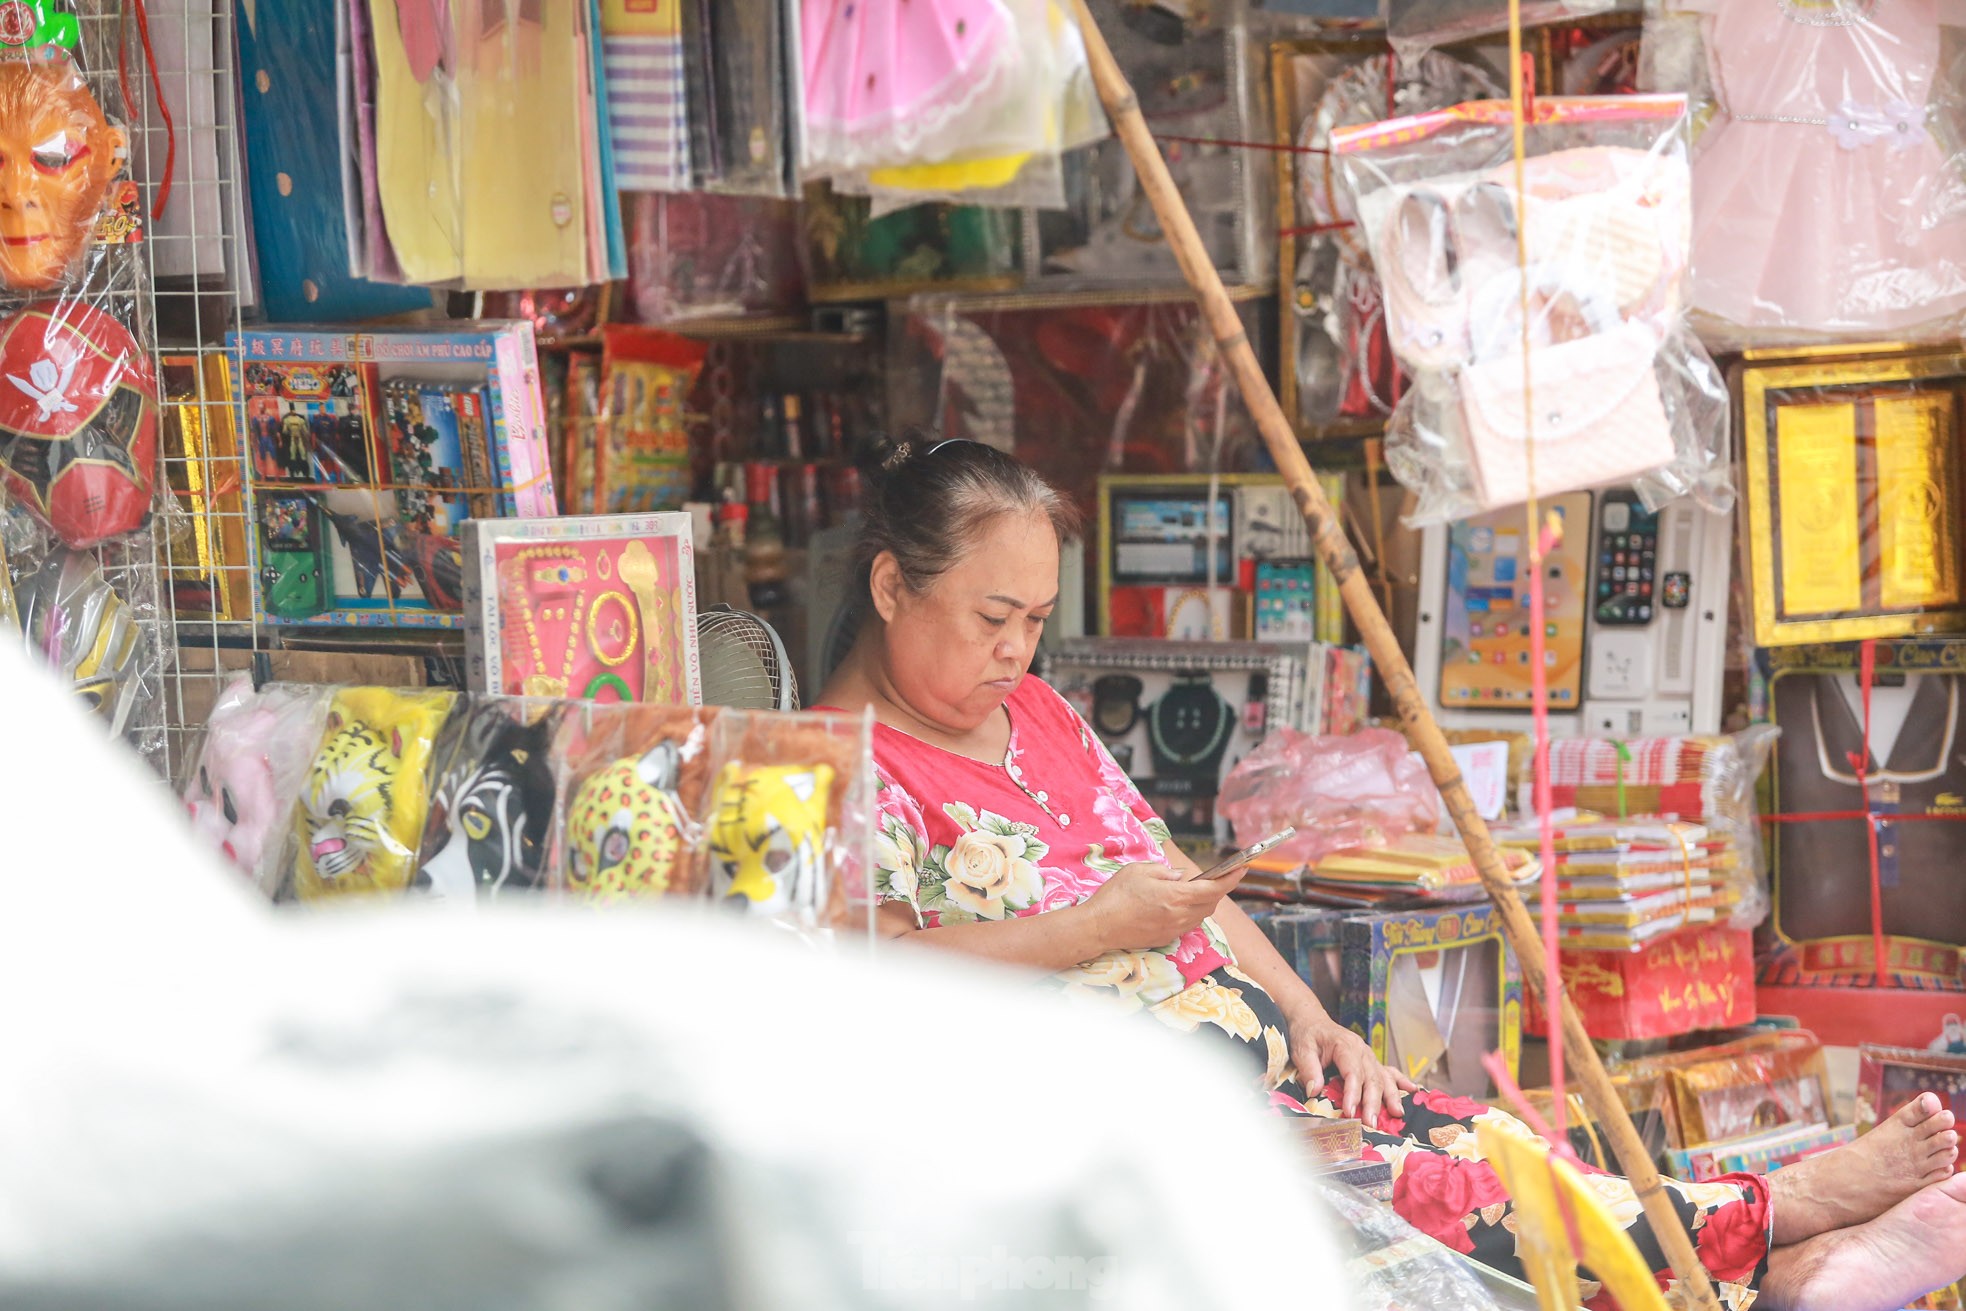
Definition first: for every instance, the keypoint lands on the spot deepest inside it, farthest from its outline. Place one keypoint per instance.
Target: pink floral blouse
(960, 841)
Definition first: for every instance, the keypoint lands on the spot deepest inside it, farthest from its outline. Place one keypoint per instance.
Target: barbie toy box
(600, 607)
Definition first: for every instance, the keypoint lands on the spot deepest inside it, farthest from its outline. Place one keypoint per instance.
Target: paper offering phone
(1635, 618)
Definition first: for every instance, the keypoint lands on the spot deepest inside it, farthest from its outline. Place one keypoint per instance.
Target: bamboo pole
(1328, 536)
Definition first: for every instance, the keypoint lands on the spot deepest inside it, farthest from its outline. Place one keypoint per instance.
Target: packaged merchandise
(365, 455)
(257, 751)
(853, 254)
(1817, 98)
(1362, 790)
(1862, 752)
(701, 256)
(1889, 1078)
(364, 802)
(440, 105)
(1624, 883)
(1338, 373)
(1687, 981)
(1708, 781)
(1179, 716)
(633, 779)
(1861, 448)
(205, 556)
(643, 53)
(1193, 69)
(1433, 992)
(1767, 1081)
(1643, 1100)
(790, 818)
(491, 803)
(641, 448)
(591, 606)
(1613, 388)
(88, 633)
(1762, 1153)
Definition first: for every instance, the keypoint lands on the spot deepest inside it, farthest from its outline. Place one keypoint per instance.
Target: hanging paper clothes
(648, 110)
(1823, 201)
(461, 94)
(972, 100)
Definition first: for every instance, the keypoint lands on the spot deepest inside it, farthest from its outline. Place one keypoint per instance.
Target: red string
(1860, 760)
(157, 85)
(1314, 229)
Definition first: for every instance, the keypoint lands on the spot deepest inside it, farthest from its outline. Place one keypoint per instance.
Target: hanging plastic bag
(1361, 790)
(1612, 388)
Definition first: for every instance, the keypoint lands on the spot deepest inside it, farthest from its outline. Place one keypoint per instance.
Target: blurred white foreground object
(207, 1106)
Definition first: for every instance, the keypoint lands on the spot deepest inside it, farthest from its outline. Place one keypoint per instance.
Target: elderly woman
(1007, 832)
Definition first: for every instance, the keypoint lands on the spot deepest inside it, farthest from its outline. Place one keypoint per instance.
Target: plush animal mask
(627, 833)
(256, 756)
(768, 837)
(361, 813)
(492, 807)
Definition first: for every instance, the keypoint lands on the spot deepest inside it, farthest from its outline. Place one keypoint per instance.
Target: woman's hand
(1146, 906)
(1319, 1044)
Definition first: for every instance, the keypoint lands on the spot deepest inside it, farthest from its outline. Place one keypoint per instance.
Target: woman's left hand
(1319, 1044)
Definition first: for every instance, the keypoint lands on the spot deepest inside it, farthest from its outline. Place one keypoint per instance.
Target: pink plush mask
(231, 797)
(240, 796)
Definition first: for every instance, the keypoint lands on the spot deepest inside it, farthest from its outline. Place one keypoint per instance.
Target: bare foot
(1914, 1148)
(1917, 1246)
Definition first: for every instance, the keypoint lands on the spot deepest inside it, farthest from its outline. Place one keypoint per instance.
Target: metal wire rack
(198, 261)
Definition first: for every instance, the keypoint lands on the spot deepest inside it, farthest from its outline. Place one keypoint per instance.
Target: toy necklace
(539, 682)
(1188, 727)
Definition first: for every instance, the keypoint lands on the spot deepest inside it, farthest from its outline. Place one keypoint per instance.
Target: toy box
(1434, 991)
(365, 454)
(601, 607)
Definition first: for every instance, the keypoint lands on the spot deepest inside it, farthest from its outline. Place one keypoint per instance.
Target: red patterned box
(1700, 978)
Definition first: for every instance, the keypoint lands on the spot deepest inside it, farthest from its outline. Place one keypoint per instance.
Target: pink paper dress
(1821, 201)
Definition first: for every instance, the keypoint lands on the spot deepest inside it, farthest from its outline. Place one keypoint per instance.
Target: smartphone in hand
(1247, 854)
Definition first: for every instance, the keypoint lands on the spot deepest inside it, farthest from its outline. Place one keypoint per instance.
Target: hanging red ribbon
(156, 86)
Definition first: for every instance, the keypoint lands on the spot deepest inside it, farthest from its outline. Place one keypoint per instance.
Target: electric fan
(744, 662)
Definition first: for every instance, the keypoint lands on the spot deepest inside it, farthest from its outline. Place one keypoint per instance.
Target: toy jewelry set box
(600, 607)
(367, 452)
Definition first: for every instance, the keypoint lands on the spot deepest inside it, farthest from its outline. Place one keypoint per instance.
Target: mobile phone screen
(1247, 854)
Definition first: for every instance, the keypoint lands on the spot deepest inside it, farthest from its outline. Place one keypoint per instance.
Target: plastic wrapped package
(257, 751)
(363, 804)
(1415, 25)
(740, 146)
(1362, 790)
(967, 103)
(632, 780)
(1191, 68)
(1613, 388)
(1340, 371)
(789, 819)
(78, 421)
(1394, 1267)
(1838, 99)
(490, 824)
(1703, 780)
(641, 434)
(852, 255)
(1763, 1082)
(1053, 55)
(101, 640)
(446, 100)
(702, 256)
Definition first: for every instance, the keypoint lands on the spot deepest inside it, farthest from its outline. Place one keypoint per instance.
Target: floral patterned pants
(1443, 1187)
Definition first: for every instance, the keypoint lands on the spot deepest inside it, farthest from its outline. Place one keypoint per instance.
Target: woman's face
(955, 651)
